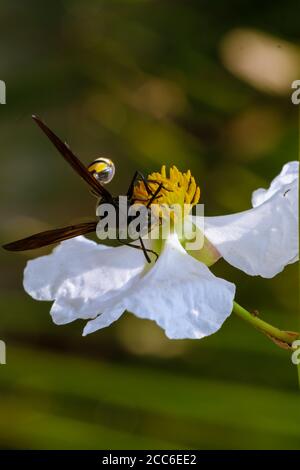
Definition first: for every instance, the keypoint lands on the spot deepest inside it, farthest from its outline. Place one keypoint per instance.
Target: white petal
(103, 320)
(288, 174)
(43, 276)
(181, 295)
(83, 277)
(262, 240)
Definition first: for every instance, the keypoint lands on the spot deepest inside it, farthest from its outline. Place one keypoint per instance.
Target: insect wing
(74, 161)
(51, 236)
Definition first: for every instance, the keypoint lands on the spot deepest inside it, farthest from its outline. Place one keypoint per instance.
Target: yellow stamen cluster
(178, 188)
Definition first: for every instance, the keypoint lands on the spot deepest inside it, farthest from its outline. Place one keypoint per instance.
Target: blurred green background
(203, 85)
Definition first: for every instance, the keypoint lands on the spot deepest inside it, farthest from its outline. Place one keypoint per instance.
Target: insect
(99, 172)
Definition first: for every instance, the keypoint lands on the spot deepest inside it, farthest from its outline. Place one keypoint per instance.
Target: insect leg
(142, 247)
(155, 195)
(135, 178)
(144, 250)
(162, 186)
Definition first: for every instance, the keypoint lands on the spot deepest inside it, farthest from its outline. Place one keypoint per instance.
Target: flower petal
(282, 182)
(103, 320)
(83, 277)
(181, 295)
(262, 240)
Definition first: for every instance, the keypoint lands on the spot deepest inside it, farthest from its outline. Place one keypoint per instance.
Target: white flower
(86, 279)
(89, 281)
(263, 240)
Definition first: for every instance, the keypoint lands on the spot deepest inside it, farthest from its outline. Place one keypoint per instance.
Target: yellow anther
(178, 188)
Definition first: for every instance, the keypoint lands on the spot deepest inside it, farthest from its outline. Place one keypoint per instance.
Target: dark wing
(75, 163)
(51, 236)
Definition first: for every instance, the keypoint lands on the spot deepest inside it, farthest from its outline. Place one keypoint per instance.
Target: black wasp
(99, 172)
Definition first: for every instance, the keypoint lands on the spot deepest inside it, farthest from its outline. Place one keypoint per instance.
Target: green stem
(264, 327)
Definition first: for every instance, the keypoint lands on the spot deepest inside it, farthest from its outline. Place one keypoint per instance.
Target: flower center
(177, 189)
